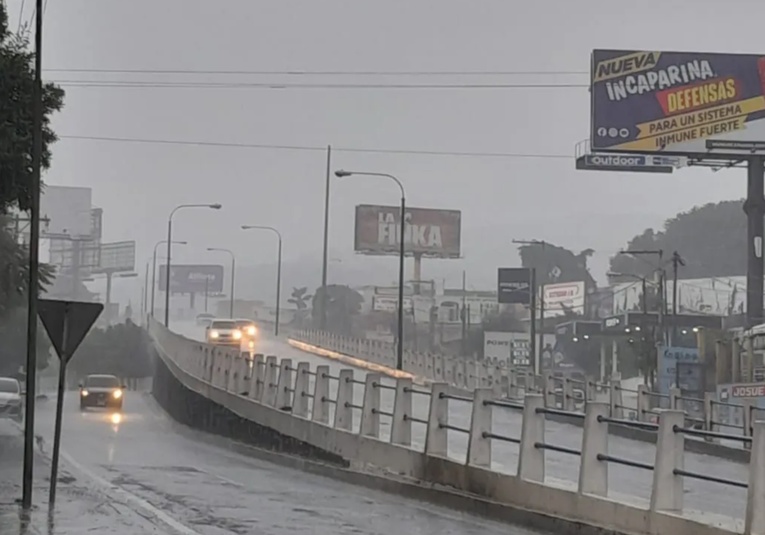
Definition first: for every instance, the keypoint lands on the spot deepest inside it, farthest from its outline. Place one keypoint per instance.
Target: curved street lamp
(233, 270)
(278, 268)
(154, 270)
(400, 345)
(215, 206)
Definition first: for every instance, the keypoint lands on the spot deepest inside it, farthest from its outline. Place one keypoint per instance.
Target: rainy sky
(528, 189)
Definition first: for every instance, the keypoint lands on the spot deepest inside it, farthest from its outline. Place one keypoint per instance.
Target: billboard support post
(533, 324)
(402, 252)
(754, 207)
(325, 253)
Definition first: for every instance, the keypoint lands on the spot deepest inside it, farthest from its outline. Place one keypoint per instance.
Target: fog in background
(536, 194)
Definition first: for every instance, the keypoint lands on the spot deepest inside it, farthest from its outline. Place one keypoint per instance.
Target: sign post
(518, 286)
(67, 323)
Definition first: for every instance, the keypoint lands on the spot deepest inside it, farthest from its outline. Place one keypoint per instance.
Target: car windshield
(224, 325)
(9, 386)
(102, 381)
(245, 323)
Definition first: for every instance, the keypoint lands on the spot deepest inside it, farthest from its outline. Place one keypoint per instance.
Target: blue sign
(684, 359)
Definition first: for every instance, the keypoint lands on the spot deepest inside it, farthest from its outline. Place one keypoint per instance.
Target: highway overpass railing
(406, 429)
(566, 393)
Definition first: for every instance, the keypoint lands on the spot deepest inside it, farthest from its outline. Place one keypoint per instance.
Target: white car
(11, 402)
(225, 333)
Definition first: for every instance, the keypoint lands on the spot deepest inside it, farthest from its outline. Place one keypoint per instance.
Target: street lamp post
(233, 271)
(278, 268)
(154, 271)
(169, 250)
(402, 252)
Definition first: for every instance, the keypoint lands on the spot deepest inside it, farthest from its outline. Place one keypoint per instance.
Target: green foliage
(120, 350)
(555, 264)
(13, 349)
(710, 238)
(343, 304)
(300, 298)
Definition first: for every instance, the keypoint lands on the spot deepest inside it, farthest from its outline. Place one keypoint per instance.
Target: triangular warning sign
(67, 323)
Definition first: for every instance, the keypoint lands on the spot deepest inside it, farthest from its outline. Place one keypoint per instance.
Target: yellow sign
(694, 133)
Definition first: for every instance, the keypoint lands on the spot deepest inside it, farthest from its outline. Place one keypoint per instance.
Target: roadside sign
(514, 286)
(632, 163)
(747, 390)
(67, 323)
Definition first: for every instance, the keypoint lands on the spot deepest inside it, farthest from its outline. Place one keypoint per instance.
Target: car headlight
(237, 335)
(252, 344)
(252, 331)
(117, 394)
(214, 334)
(84, 393)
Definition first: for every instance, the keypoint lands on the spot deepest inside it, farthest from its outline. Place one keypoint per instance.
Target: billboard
(634, 163)
(428, 232)
(507, 348)
(116, 257)
(192, 278)
(386, 303)
(68, 210)
(564, 296)
(513, 286)
(677, 102)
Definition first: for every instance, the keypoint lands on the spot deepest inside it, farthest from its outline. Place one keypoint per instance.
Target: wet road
(711, 501)
(202, 488)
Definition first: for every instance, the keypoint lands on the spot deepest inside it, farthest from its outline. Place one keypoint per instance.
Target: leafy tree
(120, 350)
(13, 349)
(555, 264)
(300, 298)
(343, 304)
(710, 238)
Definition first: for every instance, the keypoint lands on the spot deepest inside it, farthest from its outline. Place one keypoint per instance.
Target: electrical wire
(138, 84)
(317, 73)
(314, 148)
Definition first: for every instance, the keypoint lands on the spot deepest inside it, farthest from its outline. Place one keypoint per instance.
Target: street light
(233, 270)
(278, 268)
(215, 206)
(400, 346)
(154, 270)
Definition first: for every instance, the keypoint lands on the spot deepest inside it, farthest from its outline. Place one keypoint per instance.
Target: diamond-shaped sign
(67, 323)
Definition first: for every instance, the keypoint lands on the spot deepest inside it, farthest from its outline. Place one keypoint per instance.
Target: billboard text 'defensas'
(649, 101)
(427, 232)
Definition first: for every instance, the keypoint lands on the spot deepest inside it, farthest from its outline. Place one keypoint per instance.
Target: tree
(710, 238)
(300, 298)
(343, 304)
(120, 350)
(554, 264)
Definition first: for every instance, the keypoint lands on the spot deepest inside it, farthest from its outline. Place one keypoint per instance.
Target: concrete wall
(269, 403)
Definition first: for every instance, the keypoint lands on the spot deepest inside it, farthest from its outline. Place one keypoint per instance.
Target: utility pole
(541, 304)
(463, 316)
(677, 260)
(325, 260)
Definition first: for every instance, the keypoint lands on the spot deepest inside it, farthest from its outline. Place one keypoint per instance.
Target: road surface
(711, 501)
(176, 480)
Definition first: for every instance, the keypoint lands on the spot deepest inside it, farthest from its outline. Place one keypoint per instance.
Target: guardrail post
(438, 368)
(479, 445)
(667, 491)
(344, 400)
(615, 391)
(438, 415)
(747, 408)
(245, 371)
(401, 427)
(643, 403)
(568, 394)
(710, 414)
(270, 386)
(284, 384)
(300, 402)
(531, 464)
(675, 401)
(591, 390)
(754, 523)
(593, 473)
(258, 377)
(512, 382)
(320, 410)
(370, 413)
(549, 391)
(498, 383)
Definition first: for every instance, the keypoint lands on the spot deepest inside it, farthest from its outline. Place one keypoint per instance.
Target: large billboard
(677, 102)
(564, 296)
(192, 278)
(514, 286)
(428, 232)
(116, 257)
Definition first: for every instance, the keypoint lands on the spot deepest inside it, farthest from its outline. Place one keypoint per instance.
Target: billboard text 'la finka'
(677, 102)
(427, 232)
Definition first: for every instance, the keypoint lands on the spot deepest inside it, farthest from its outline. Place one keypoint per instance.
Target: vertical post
(370, 413)
(344, 400)
(34, 267)
(207, 291)
(616, 398)
(167, 271)
(153, 279)
(667, 492)
(300, 403)
(754, 207)
(533, 324)
(593, 473)
(270, 386)
(401, 427)
(320, 411)
(402, 251)
(755, 513)
(145, 304)
(233, 275)
(531, 464)
(325, 259)
(63, 359)
(109, 274)
(278, 284)
(436, 442)
(643, 403)
(283, 397)
(479, 445)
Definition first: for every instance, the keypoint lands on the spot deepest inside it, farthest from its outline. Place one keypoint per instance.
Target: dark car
(101, 391)
(11, 399)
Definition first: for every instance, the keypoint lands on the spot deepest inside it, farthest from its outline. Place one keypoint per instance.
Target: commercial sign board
(427, 232)
(192, 278)
(386, 303)
(677, 102)
(633, 163)
(514, 286)
(747, 390)
(508, 348)
(116, 257)
(681, 365)
(564, 296)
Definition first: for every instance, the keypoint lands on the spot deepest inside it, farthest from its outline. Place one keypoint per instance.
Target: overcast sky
(501, 198)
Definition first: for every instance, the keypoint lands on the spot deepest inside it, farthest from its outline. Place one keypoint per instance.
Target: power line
(317, 73)
(278, 85)
(314, 148)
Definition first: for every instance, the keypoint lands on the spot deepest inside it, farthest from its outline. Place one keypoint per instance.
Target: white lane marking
(131, 498)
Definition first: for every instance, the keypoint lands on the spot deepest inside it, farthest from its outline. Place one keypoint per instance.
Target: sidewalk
(80, 507)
